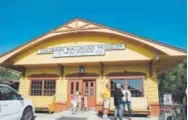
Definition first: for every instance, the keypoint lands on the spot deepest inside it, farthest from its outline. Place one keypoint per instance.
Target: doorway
(89, 89)
(73, 87)
(85, 87)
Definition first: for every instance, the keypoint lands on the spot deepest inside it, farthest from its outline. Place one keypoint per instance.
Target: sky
(159, 20)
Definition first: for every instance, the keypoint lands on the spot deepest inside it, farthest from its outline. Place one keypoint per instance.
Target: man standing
(106, 101)
(127, 100)
(118, 102)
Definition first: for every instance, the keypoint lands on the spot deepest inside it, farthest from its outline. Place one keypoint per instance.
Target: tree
(7, 74)
(175, 79)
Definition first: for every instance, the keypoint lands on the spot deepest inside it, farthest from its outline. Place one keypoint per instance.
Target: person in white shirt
(74, 103)
(85, 108)
(127, 100)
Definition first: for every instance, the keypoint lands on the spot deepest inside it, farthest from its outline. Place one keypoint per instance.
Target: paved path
(91, 115)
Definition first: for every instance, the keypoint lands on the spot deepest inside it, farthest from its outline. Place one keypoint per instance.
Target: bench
(44, 103)
(139, 105)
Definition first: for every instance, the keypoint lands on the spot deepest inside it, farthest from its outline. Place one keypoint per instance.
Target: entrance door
(89, 90)
(74, 86)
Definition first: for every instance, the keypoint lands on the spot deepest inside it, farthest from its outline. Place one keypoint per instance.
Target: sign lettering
(85, 50)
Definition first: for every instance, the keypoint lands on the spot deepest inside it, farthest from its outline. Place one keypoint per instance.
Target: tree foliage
(7, 74)
(175, 79)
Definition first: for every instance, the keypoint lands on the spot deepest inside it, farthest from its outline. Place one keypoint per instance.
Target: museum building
(84, 56)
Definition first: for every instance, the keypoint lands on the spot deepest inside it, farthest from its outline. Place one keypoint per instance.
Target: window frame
(43, 77)
(126, 78)
(42, 89)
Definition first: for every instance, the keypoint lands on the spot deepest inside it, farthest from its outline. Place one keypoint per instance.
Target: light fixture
(156, 57)
(81, 69)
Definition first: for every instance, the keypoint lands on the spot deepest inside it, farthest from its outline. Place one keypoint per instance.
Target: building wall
(150, 83)
(133, 52)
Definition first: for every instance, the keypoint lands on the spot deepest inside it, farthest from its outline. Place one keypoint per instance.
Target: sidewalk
(67, 115)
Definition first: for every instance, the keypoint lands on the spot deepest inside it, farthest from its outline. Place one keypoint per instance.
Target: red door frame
(81, 81)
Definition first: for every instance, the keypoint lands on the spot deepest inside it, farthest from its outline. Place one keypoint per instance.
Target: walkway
(67, 115)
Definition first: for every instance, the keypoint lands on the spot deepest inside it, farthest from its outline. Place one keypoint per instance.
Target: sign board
(167, 99)
(85, 50)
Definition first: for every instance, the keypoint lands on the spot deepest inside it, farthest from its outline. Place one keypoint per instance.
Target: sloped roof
(79, 25)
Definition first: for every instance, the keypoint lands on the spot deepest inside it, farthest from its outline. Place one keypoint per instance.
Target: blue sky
(160, 20)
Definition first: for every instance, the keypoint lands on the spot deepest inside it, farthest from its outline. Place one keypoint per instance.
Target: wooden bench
(44, 103)
(139, 105)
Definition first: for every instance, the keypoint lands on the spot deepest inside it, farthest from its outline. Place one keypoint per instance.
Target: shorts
(106, 104)
(74, 104)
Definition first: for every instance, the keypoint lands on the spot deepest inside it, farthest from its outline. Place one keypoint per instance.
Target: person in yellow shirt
(106, 101)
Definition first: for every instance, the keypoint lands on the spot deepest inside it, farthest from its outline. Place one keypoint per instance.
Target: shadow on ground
(71, 118)
(111, 115)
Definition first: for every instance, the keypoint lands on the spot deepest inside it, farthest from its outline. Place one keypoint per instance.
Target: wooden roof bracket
(61, 70)
(152, 63)
(102, 69)
(23, 71)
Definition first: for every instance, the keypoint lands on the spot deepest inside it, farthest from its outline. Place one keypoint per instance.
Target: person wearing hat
(118, 102)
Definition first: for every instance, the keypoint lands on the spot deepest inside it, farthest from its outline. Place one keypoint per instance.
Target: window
(36, 87)
(8, 94)
(72, 88)
(49, 87)
(86, 88)
(134, 85)
(91, 89)
(43, 87)
(77, 86)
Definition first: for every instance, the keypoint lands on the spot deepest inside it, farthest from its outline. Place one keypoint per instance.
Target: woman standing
(106, 101)
(127, 100)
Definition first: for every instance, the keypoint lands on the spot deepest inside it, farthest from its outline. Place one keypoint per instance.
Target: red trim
(82, 76)
(126, 77)
(125, 74)
(43, 76)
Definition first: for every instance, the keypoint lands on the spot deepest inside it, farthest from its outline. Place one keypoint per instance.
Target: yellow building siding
(61, 90)
(39, 64)
(150, 85)
(99, 86)
(134, 51)
(24, 87)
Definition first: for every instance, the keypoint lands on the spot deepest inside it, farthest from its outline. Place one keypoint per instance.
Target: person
(185, 103)
(85, 108)
(106, 101)
(127, 100)
(118, 102)
(74, 103)
(79, 100)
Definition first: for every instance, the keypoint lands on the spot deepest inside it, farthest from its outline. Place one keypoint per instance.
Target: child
(79, 101)
(74, 103)
(85, 103)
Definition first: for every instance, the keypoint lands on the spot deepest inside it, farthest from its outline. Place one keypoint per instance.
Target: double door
(85, 88)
